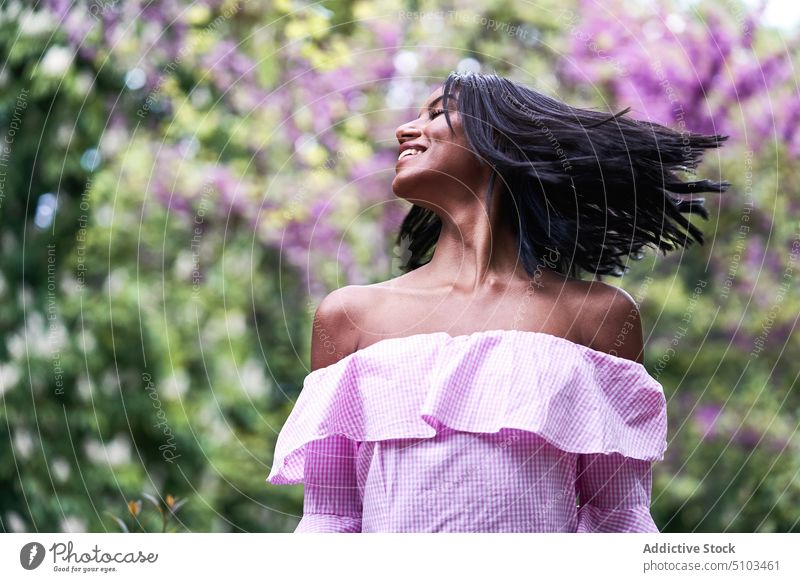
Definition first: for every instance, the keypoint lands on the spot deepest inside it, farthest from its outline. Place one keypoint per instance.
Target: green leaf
(152, 500)
(120, 523)
(178, 504)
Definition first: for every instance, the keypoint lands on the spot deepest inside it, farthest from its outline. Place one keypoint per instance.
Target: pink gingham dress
(495, 431)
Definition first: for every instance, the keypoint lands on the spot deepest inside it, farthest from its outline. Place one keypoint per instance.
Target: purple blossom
(746, 436)
(707, 77)
(232, 201)
(158, 31)
(740, 340)
(706, 418)
(374, 176)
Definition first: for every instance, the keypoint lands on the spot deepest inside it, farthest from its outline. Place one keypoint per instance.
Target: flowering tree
(725, 329)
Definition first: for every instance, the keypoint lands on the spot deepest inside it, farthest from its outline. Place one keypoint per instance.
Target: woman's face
(444, 168)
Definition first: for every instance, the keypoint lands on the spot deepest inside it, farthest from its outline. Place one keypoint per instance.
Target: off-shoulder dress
(495, 431)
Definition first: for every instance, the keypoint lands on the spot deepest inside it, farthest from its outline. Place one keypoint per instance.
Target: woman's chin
(400, 187)
(402, 191)
(407, 179)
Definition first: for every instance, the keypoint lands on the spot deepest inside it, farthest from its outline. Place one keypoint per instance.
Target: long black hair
(582, 189)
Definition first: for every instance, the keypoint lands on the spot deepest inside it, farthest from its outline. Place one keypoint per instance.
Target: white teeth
(408, 152)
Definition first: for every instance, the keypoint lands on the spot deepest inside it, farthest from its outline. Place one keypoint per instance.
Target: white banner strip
(406, 557)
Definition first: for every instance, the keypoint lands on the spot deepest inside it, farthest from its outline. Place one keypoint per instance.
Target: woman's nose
(406, 131)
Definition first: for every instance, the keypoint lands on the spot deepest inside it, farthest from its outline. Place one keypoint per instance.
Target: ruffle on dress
(578, 399)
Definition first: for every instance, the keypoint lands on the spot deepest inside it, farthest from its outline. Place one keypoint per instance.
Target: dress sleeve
(331, 499)
(614, 494)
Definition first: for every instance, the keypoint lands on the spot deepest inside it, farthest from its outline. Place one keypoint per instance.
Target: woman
(489, 389)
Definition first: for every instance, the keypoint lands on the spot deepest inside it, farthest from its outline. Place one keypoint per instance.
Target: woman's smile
(408, 150)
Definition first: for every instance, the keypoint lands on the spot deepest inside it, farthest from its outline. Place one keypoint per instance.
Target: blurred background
(181, 182)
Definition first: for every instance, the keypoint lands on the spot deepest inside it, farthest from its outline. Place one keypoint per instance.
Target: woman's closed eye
(436, 112)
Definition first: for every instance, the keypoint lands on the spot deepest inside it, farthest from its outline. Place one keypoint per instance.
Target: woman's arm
(614, 494)
(331, 500)
(614, 490)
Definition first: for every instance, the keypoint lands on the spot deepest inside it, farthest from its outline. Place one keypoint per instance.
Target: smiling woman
(488, 389)
(441, 147)
(595, 187)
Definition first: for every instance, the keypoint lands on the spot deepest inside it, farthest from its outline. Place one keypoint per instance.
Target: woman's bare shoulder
(343, 314)
(611, 321)
(335, 330)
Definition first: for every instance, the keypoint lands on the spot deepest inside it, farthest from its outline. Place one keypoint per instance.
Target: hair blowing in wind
(590, 186)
